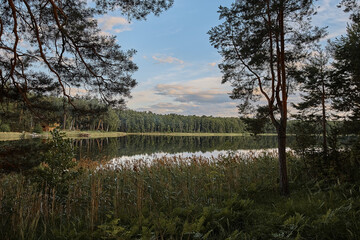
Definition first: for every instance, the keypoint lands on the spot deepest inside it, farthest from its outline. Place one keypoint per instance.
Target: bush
(37, 129)
(56, 169)
(4, 127)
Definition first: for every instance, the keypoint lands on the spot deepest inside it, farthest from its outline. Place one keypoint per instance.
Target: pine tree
(49, 46)
(346, 74)
(259, 41)
(315, 87)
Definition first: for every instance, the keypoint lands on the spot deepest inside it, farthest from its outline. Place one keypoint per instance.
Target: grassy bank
(173, 198)
(8, 136)
(191, 134)
(92, 134)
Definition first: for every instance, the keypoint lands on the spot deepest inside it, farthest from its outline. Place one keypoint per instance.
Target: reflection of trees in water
(16, 156)
(107, 148)
(25, 154)
(97, 148)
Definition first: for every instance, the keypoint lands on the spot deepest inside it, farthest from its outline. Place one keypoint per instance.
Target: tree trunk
(64, 122)
(283, 181)
(72, 124)
(99, 125)
(324, 122)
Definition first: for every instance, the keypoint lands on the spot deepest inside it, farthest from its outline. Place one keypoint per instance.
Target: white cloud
(192, 92)
(218, 110)
(329, 15)
(167, 108)
(111, 24)
(167, 59)
(203, 96)
(213, 64)
(73, 91)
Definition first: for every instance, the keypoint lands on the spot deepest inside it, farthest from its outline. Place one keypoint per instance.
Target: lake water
(24, 154)
(136, 146)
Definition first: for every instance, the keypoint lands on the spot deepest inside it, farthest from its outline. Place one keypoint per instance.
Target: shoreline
(12, 136)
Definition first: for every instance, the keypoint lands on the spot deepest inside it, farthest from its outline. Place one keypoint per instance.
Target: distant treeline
(90, 114)
(133, 121)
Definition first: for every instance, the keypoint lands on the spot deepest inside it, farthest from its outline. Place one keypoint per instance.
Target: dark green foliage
(250, 38)
(132, 121)
(260, 47)
(305, 137)
(4, 127)
(91, 114)
(341, 160)
(354, 161)
(346, 75)
(257, 124)
(38, 128)
(352, 7)
(19, 156)
(65, 48)
(137, 9)
(314, 80)
(315, 84)
(14, 114)
(112, 120)
(350, 127)
(194, 198)
(56, 169)
(344, 162)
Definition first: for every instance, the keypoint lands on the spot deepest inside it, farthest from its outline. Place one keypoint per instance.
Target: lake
(146, 146)
(24, 154)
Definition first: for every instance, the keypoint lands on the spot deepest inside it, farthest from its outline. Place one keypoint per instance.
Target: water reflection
(25, 154)
(136, 146)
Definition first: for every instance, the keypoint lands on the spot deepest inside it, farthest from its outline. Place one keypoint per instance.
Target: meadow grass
(92, 134)
(10, 136)
(178, 198)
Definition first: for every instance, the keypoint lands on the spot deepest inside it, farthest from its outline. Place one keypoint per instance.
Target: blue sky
(178, 70)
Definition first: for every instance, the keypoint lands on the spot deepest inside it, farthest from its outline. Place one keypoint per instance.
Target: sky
(178, 68)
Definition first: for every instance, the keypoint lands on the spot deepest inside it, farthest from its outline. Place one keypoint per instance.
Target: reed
(174, 198)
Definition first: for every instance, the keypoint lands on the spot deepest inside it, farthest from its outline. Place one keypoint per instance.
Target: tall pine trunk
(323, 97)
(283, 181)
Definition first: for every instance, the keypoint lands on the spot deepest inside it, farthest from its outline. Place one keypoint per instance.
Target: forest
(92, 115)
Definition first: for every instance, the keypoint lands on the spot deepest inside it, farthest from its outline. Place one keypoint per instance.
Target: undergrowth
(174, 198)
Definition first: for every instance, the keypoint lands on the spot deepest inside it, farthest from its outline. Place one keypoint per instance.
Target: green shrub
(5, 127)
(37, 129)
(56, 169)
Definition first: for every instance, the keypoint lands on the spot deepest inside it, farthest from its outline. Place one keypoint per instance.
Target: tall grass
(175, 198)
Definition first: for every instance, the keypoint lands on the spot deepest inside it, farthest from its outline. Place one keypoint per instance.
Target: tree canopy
(49, 46)
(346, 74)
(261, 42)
(315, 86)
